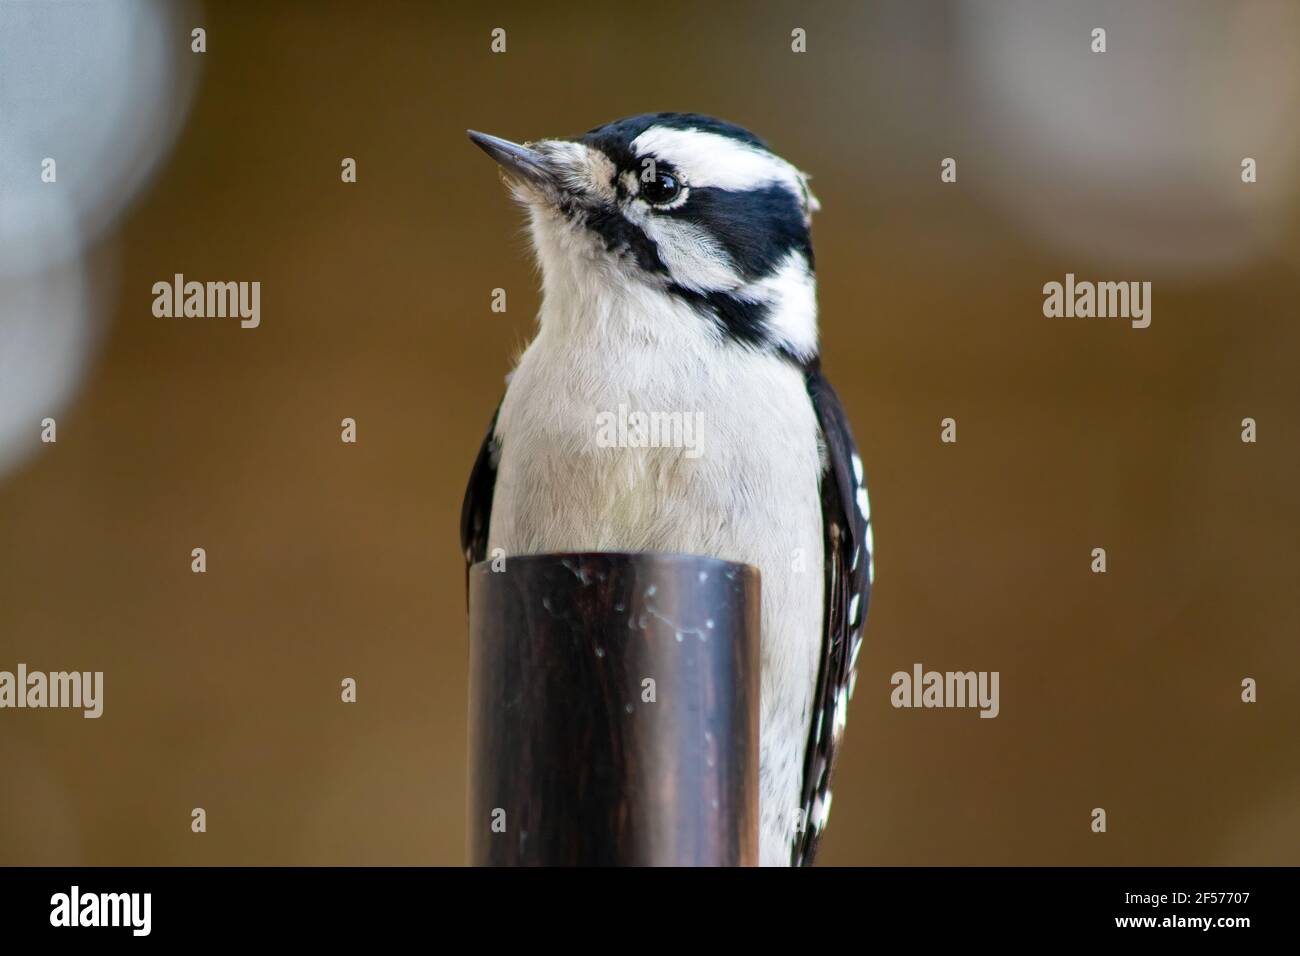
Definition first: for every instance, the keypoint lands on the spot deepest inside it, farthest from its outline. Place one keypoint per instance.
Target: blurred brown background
(328, 560)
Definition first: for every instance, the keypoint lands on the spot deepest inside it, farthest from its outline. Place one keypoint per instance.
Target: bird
(677, 276)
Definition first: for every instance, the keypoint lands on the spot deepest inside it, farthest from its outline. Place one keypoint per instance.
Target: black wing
(846, 521)
(476, 512)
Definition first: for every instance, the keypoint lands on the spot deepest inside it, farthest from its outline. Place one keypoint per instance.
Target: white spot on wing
(821, 810)
(871, 552)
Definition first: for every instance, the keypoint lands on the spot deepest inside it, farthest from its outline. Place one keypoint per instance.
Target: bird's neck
(592, 309)
(602, 308)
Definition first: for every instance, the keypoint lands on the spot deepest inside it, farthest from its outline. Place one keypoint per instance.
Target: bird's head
(674, 205)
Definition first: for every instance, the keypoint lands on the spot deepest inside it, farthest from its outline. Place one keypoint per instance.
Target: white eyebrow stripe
(710, 160)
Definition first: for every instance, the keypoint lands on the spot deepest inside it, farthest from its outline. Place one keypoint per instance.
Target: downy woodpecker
(677, 277)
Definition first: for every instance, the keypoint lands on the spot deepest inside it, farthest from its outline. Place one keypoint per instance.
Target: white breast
(751, 494)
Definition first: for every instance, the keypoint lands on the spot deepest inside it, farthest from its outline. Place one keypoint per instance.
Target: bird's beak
(519, 161)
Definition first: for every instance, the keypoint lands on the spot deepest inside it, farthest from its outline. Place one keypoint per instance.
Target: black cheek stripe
(741, 321)
(757, 227)
(619, 235)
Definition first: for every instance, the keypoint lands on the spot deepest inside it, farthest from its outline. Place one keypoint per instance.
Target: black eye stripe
(757, 227)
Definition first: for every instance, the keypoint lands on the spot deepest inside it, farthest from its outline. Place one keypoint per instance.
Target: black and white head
(672, 214)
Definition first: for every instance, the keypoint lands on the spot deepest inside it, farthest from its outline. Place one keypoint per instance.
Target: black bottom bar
(819, 906)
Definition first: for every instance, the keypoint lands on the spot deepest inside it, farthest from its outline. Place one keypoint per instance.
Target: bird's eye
(664, 188)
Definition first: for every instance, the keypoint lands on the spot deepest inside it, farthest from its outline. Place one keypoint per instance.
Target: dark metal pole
(613, 711)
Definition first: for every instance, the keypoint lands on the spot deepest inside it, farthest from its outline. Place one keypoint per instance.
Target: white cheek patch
(694, 258)
(710, 160)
